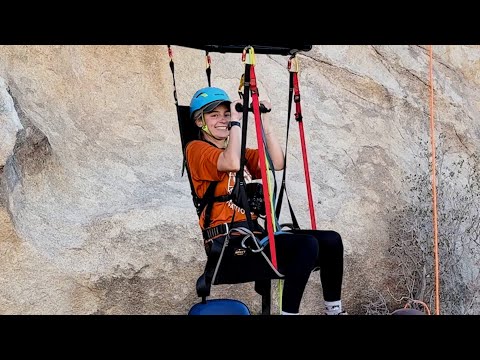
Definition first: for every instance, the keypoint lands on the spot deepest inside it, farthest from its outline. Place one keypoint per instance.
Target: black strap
(183, 114)
(208, 69)
(239, 193)
(209, 233)
(208, 200)
(204, 282)
(187, 135)
(172, 68)
(283, 187)
(262, 287)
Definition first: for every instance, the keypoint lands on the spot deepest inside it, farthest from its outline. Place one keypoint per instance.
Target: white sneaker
(340, 313)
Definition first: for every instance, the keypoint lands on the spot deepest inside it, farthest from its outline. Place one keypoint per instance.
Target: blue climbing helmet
(207, 99)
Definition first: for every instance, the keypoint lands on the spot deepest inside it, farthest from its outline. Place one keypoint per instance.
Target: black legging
(303, 251)
(299, 252)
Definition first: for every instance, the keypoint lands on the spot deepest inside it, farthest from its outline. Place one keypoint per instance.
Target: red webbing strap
(299, 118)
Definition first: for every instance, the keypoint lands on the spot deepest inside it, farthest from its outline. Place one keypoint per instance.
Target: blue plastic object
(220, 307)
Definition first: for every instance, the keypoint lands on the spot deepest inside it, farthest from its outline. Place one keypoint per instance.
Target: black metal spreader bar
(259, 49)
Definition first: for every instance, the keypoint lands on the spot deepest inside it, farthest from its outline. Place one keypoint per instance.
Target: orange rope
(412, 304)
(434, 191)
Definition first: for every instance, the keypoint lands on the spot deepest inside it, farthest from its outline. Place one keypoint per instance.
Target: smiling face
(215, 123)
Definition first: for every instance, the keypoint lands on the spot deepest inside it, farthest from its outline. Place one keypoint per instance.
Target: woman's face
(217, 121)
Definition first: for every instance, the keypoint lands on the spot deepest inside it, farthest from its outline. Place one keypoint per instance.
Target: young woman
(215, 157)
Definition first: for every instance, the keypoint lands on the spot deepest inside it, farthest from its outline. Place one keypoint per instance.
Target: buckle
(218, 230)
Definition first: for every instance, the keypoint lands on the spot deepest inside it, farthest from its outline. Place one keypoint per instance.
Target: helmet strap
(206, 129)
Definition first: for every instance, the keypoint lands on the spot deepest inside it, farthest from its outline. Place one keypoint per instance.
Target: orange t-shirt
(202, 159)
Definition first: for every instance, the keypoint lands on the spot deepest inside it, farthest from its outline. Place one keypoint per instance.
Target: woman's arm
(273, 146)
(229, 159)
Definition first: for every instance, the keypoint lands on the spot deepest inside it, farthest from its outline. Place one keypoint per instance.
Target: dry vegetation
(412, 246)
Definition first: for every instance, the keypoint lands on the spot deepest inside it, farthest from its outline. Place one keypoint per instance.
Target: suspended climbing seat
(259, 267)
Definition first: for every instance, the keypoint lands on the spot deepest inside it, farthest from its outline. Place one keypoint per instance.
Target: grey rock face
(95, 216)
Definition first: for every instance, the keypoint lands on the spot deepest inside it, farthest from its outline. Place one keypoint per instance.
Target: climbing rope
(434, 190)
(417, 305)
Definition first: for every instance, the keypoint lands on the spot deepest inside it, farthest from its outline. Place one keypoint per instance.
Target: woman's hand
(234, 114)
(266, 116)
(267, 104)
